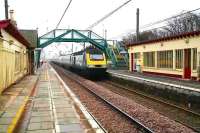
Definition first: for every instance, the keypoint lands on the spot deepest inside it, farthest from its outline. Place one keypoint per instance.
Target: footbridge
(79, 36)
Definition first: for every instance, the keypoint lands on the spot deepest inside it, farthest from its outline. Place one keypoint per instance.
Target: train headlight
(91, 66)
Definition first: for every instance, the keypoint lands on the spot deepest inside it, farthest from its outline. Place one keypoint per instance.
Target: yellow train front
(90, 61)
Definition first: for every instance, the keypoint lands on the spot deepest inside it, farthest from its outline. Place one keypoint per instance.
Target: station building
(175, 56)
(14, 61)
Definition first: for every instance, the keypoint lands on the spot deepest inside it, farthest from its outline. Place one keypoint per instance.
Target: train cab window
(96, 56)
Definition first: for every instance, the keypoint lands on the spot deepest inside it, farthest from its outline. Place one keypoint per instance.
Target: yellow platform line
(17, 117)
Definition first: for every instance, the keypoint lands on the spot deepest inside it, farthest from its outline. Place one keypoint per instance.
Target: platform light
(11, 42)
(38, 49)
(187, 41)
(123, 52)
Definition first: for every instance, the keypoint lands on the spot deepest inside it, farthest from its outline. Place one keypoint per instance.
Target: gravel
(112, 121)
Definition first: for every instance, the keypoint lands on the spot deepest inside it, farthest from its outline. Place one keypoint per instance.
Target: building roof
(13, 31)
(31, 36)
(184, 35)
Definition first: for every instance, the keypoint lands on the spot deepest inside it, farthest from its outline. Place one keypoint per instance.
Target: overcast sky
(45, 14)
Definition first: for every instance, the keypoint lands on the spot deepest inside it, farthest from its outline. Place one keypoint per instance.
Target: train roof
(88, 48)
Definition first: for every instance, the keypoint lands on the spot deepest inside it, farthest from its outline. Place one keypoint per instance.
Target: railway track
(189, 118)
(91, 95)
(140, 127)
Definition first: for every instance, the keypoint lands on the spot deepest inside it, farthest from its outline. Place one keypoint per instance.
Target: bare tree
(187, 22)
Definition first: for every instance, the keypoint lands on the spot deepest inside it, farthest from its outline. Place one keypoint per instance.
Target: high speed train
(91, 60)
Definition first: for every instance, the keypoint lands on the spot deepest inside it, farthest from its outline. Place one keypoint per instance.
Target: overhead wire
(64, 13)
(108, 15)
(157, 22)
(166, 19)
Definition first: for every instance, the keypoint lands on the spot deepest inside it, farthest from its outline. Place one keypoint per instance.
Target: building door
(132, 62)
(187, 63)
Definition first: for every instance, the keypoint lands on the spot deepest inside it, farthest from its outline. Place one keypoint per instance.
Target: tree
(187, 22)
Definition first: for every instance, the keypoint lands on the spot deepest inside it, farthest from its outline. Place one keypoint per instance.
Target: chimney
(12, 18)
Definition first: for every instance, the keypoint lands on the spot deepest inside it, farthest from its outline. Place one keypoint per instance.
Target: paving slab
(41, 119)
(42, 131)
(69, 128)
(6, 120)
(64, 121)
(9, 114)
(3, 128)
(49, 114)
(41, 126)
(12, 102)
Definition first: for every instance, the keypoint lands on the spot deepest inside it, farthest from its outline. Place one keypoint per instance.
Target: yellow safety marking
(16, 119)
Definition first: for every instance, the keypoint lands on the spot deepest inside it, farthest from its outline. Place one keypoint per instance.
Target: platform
(156, 79)
(41, 104)
(52, 110)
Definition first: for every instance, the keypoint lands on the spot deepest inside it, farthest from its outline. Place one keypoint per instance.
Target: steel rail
(155, 99)
(139, 125)
(158, 100)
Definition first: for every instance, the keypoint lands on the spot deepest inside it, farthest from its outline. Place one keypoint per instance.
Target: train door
(132, 62)
(187, 63)
(74, 60)
(84, 59)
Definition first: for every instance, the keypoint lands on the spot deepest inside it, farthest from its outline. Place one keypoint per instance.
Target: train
(90, 61)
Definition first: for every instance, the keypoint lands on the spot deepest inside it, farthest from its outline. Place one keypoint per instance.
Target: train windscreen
(96, 54)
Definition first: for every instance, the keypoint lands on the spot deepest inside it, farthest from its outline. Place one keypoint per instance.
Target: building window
(17, 61)
(149, 59)
(136, 55)
(194, 55)
(179, 59)
(165, 59)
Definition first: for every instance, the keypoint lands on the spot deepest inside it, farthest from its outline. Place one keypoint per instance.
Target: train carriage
(90, 61)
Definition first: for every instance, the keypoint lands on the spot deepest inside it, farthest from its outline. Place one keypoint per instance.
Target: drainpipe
(6, 9)
(137, 25)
